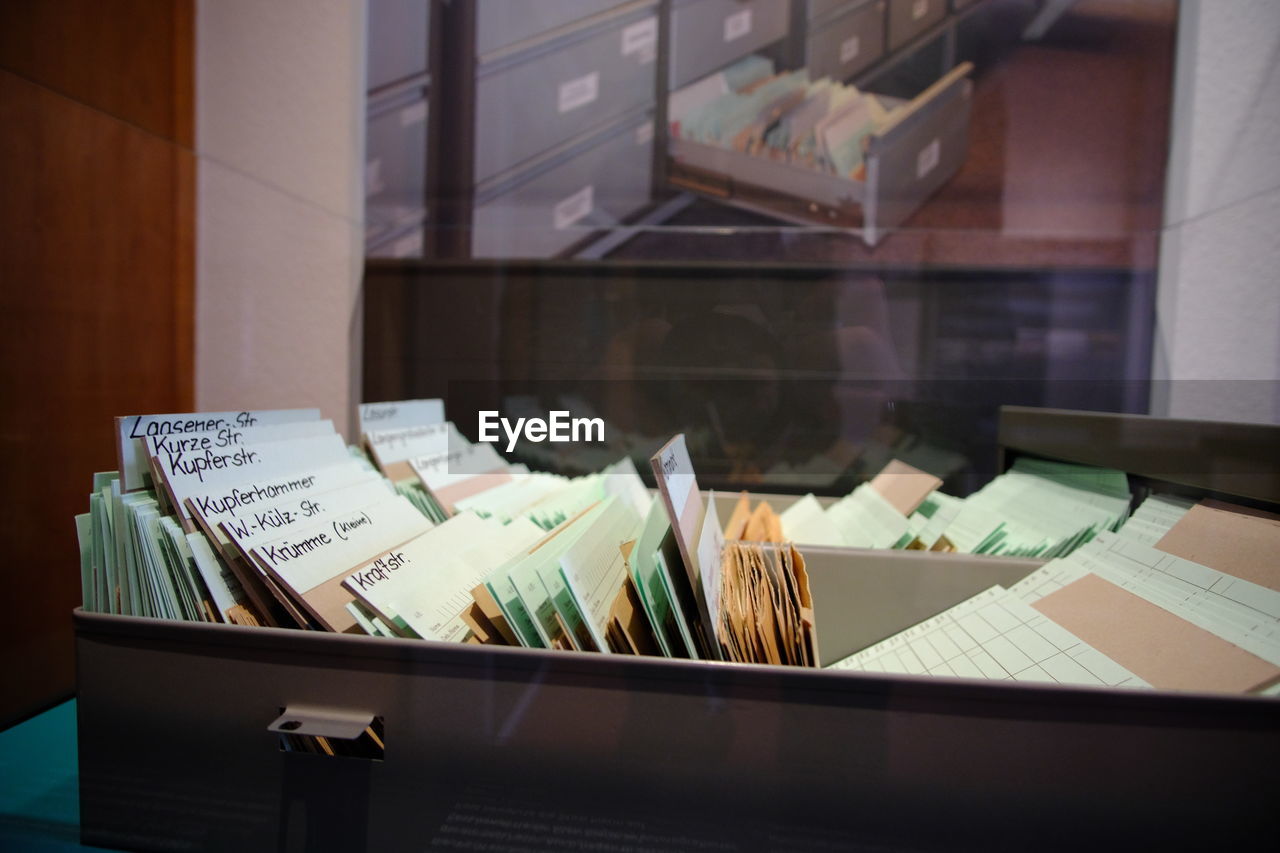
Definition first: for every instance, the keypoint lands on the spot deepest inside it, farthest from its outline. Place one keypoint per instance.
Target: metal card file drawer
(709, 34)
(591, 186)
(541, 748)
(532, 103)
(910, 18)
(503, 23)
(848, 44)
(398, 32)
(395, 157)
(905, 163)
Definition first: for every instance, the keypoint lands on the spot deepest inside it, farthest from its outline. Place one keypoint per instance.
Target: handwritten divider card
(277, 518)
(427, 583)
(461, 473)
(242, 501)
(132, 429)
(183, 477)
(396, 414)
(312, 562)
(196, 450)
(392, 449)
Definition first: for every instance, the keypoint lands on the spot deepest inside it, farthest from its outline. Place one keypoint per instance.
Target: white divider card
(678, 486)
(594, 569)
(241, 500)
(247, 462)
(461, 473)
(311, 562)
(438, 580)
(393, 448)
(273, 520)
(994, 635)
(131, 430)
(399, 414)
(195, 451)
(379, 582)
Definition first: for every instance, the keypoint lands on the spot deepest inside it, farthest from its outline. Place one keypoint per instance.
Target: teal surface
(39, 783)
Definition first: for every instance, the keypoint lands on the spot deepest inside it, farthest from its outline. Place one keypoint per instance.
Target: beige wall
(279, 118)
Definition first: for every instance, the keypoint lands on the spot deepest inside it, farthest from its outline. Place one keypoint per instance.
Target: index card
(594, 567)
(903, 486)
(994, 635)
(1158, 646)
(1238, 542)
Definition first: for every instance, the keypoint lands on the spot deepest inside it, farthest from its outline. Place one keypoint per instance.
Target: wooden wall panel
(131, 59)
(96, 281)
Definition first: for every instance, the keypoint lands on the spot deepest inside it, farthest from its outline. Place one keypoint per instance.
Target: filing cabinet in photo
(707, 35)
(395, 161)
(505, 24)
(531, 102)
(848, 41)
(398, 32)
(910, 18)
(593, 185)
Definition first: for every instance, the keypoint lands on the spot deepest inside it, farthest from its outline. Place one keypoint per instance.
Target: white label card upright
(399, 414)
(575, 208)
(205, 473)
(578, 92)
(134, 428)
(737, 25)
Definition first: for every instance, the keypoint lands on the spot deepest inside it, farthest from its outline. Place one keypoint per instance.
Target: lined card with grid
(994, 635)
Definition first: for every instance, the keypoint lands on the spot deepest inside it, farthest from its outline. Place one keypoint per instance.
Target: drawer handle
(330, 732)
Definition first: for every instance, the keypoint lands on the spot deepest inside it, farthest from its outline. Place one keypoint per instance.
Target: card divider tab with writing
(131, 429)
(311, 564)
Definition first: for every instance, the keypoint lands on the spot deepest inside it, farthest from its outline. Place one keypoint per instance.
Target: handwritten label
(919, 9)
(849, 49)
(641, 39)
(413, 114)
(578, 92)
(134, 428)
(575, 208)
(644, 133)
(677, 472)
(737, 25)
(319, 552)
(928, 158)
